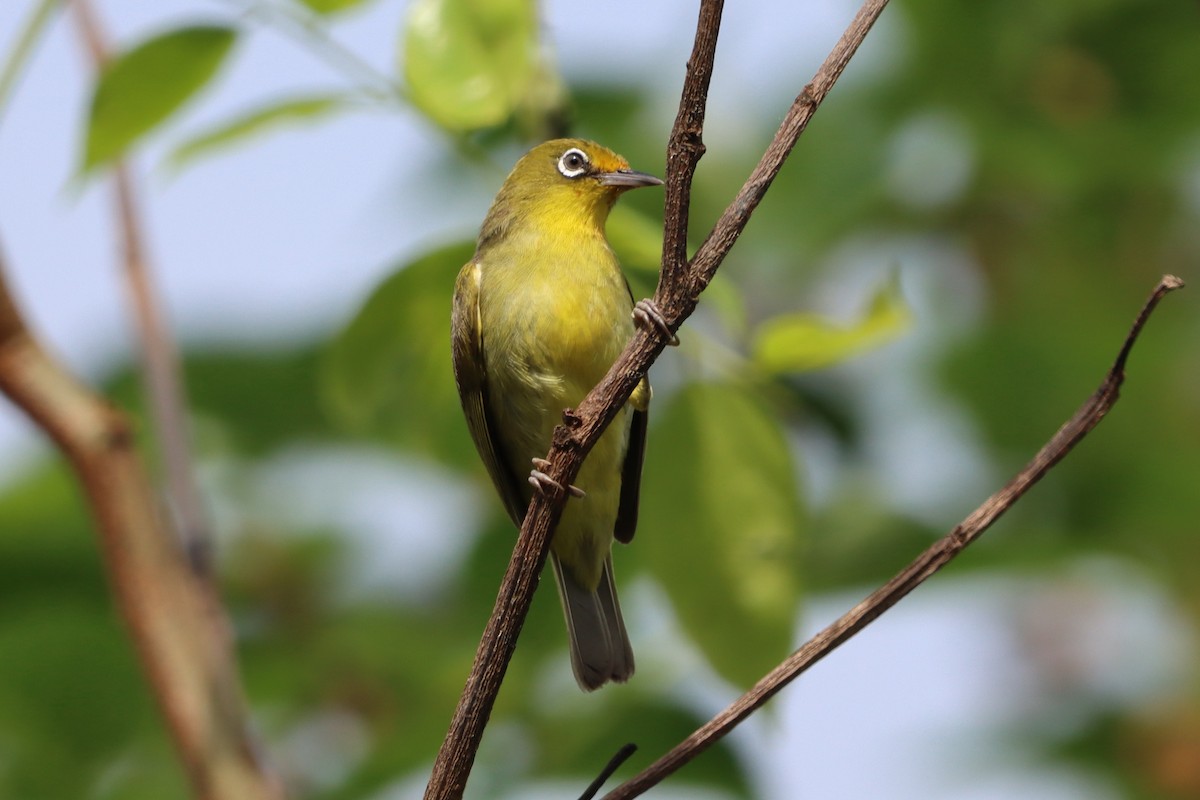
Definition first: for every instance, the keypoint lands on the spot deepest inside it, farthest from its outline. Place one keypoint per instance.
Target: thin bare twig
(676, 295)
(933, 559)
(159, 353)
(686, 145)
(612, 766)
(165, 606)
(733, 221)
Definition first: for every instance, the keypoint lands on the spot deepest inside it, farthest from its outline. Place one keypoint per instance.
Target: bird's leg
(539, 480)
(646, 313)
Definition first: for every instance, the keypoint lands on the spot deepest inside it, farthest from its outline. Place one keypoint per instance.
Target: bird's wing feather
(470, 373)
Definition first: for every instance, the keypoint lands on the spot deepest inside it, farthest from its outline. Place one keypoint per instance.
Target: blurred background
(940, 276)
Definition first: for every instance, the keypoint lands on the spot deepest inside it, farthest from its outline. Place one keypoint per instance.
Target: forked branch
(678, 291)
(174, 617)
(179, 639)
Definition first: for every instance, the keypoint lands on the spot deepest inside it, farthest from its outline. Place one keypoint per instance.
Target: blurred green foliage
(731, 565)
(475, 64)
(386, 377)
(800, 342)
(1047, 145)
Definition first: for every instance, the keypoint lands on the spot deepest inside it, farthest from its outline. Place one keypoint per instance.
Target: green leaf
(720, 525)
(326, 7)
(142, 87)
(389, 373)
(800, 342)
(232, 132)
(470, 63)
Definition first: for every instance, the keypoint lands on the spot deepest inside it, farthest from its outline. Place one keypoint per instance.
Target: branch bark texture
(678, 291)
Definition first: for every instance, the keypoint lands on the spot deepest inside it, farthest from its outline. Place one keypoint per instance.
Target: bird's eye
(573, 163)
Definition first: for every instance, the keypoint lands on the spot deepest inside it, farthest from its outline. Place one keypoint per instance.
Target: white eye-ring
(573, 163)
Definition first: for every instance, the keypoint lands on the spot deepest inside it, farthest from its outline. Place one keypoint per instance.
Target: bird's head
(563, 182)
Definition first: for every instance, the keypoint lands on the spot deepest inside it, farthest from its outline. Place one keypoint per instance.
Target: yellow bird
(540, 313)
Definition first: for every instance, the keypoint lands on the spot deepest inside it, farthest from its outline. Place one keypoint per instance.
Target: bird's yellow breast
(563, 299)
(555, 313)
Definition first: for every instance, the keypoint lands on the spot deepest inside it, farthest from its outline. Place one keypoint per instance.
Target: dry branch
(178, 636)
(174, 615)
(925, 565)
(678, 291)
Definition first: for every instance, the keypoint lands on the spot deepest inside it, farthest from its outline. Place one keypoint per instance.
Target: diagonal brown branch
(933, 559)
(677, 294)
(174, 616)
(731, 224)
(166, 607)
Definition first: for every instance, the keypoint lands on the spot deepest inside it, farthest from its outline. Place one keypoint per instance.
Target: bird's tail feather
(600, 649)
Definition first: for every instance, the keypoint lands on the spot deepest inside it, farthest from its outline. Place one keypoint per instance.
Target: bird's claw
(646, 314)
(542, 482)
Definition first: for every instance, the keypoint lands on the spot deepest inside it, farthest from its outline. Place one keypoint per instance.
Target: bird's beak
(628, 179)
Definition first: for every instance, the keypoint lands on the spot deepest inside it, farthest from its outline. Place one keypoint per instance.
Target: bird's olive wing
(470, 373)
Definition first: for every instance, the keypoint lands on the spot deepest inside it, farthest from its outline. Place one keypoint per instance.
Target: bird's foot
(542, 482)
(646, 314)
